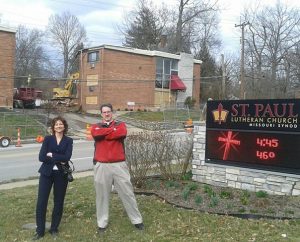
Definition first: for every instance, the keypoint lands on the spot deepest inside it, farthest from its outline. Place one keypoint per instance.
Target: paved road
(22, 162)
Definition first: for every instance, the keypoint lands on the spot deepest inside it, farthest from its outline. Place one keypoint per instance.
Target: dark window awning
(177, 84)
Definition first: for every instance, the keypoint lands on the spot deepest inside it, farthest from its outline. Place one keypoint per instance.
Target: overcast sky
(100, 17)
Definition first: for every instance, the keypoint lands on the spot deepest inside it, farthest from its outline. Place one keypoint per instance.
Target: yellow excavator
(68, 93)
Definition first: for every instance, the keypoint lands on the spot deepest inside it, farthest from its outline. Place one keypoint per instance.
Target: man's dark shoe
(37, 236)
(139, 226)
(101, 230)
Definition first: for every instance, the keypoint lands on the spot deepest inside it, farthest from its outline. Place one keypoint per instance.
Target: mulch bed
(223, 201)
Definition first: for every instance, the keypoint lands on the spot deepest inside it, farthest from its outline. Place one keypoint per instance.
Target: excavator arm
(69, 90)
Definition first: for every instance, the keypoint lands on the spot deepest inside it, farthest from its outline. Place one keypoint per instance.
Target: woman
(56, 151)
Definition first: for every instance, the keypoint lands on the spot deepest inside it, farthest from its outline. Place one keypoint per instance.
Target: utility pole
(223, 78)
(242, 90)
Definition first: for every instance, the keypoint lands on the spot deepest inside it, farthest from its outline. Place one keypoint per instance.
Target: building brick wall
(129, 77)
(275, 183)
(123, 77)
(7, 63)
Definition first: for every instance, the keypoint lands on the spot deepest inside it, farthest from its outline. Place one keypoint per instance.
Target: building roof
(7, 29)
(139, 52)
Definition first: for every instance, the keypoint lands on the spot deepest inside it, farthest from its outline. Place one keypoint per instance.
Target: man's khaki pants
(117, 174)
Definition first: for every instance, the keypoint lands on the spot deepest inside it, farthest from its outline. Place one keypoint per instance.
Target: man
(110, 169)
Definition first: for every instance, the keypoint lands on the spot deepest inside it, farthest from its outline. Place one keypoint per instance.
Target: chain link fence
(30, 125)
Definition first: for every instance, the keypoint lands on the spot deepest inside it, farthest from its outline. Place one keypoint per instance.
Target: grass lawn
(30, 125)
(179, 115)
(162, 221)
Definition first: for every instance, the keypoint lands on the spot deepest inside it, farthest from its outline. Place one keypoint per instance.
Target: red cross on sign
(229, 142)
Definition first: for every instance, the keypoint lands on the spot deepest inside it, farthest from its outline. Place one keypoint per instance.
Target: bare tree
(273, 38)
(189, 11)
(205, 44)
(205, 34)
(31, 56)
(66, 33)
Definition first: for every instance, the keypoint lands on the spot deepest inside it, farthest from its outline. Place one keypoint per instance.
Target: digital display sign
(262, 134)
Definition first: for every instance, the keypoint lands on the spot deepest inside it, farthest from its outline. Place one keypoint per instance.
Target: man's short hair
(106, 105)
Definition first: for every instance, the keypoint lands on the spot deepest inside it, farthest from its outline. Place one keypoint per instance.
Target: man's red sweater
(109, 141)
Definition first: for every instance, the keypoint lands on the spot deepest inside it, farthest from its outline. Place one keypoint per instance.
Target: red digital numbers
(267, 142)
(265, 155)
(264, 142)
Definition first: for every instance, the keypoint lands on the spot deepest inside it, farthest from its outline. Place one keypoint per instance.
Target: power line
(52, 79)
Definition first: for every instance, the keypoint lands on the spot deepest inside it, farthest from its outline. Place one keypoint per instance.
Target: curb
(33, 182)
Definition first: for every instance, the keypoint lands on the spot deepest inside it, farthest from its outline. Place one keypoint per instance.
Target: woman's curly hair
(59, 118)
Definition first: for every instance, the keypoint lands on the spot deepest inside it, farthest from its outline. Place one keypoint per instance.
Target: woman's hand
(49, 154)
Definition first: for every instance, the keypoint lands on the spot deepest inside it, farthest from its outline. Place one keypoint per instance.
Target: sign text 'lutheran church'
(262, 134)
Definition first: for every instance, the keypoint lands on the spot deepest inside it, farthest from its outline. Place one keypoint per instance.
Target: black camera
(67, 171)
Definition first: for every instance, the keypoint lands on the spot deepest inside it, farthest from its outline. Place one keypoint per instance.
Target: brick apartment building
(136, 79)
(7, 66)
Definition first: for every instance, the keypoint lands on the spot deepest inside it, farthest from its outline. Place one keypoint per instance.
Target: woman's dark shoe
(54, 233)
(37, 236)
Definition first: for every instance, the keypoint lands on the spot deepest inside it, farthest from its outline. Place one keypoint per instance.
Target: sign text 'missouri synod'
(262, 134)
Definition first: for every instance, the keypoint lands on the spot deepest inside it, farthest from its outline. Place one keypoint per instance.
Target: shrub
(261, 194)
(270, 210)
(188, 188)
(172, 183)
(214, 201)
(208, 189)
(152, 183)
(242, 210)
(192, 186)
(229, 206)
(244, 200)
(187, 176)
(225, 194)
(253, 211)
(158, 153)
(189, 102)
(198, 199)
(185, 193)
(245, 197)
(287, 211)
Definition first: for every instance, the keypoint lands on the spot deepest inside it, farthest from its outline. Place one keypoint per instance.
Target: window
(164, 68)
(93, 56)
(92, 80)
(91, 100)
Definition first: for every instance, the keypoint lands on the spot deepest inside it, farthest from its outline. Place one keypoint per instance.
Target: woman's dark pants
(60, 183)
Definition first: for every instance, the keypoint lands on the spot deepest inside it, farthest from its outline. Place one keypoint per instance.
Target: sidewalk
(11, 185)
